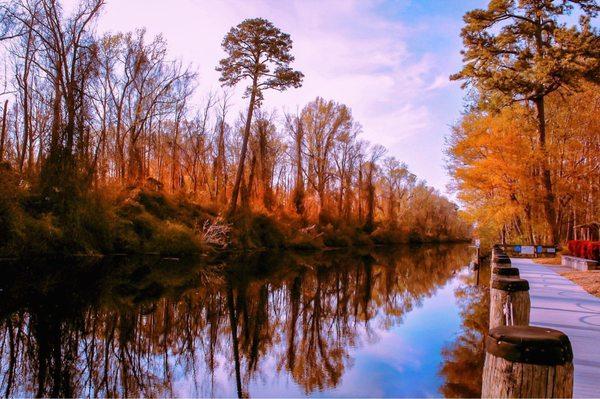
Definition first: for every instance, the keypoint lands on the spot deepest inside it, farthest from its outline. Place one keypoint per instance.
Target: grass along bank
(146, 219)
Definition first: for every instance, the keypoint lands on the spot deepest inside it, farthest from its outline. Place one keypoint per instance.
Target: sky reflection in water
(323, 325)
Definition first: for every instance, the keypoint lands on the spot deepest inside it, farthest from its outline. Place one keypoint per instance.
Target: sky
(388, 60)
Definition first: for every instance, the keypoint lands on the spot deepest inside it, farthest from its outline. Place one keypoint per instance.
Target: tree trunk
(233, 321)
(175, 159)
(26, 122)
(360, 190)
(264, 169)
(370, 220)
(299, 187)
(222, 172)
(248, 187)
(548, 197)
(240, 170)
(3, 131)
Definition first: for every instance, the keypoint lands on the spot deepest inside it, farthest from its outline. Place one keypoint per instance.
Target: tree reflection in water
(150, 327)
(464, 358)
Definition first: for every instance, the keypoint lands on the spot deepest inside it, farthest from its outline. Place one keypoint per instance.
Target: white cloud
(440, 82)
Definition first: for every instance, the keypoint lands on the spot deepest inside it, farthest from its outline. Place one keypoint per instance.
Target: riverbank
(589, 280)
(145, 219)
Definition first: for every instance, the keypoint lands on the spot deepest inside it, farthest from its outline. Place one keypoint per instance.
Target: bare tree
(322, 123)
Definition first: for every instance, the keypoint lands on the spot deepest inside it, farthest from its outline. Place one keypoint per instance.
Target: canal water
(373, 323)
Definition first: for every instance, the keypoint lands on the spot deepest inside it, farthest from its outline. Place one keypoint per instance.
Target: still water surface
(402, 322)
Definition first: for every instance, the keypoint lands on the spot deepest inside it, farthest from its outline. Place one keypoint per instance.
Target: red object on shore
(585, 249)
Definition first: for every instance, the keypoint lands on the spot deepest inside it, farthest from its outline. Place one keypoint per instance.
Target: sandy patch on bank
(548, 261)
(588, 280)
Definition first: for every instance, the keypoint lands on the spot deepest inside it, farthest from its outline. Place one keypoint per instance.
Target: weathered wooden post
(527, 362)
(499, 262)
(504, 272)
(500, 258)
(509, 301)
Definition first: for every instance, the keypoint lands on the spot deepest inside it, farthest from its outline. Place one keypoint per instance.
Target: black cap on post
(532, 345)
(510, 284)
(506, 271)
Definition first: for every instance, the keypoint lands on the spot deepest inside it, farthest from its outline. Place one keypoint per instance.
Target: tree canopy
(524, 50)
(259, 51)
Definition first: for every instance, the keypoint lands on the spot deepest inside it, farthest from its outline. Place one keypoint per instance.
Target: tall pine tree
(258, 51)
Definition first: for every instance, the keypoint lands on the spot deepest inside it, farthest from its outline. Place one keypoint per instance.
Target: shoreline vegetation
(147, 220)
(105, 149)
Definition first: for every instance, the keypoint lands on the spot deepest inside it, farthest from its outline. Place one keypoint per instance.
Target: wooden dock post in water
(527, 362)
(509, 301)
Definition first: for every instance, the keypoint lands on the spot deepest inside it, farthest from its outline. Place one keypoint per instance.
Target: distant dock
(558, 303)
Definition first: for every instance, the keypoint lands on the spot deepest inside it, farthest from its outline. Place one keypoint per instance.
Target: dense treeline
(494, 163)
(104, 145)
(525, 156)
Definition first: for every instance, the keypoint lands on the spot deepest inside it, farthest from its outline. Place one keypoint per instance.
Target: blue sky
(388, 60)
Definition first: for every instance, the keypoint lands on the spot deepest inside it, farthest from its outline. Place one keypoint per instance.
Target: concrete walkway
(558, 303)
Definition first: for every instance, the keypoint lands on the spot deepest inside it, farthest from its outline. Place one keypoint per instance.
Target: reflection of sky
(399, 362)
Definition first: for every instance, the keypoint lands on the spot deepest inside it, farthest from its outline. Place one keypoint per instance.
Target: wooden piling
(502, 261)
(509, 301)
(527, 362)
(505, 271)
(497, 264)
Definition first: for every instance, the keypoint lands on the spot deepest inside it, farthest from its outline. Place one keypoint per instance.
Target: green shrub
(305, 242)
(386, 236)
(129, 209)
(175, 239)
(336, 238)
(42, 236)
(268, 234)
(156, 203)
(415, 237)
(10, 232)
(90, 226)
(252, 231)
(145, 225)
(126, 239)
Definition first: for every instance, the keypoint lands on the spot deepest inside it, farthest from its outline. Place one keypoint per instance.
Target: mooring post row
(521, 361)
(499, 263)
